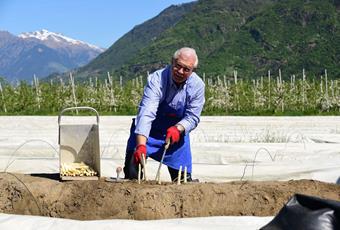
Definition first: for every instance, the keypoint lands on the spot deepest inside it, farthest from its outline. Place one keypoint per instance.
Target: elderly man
(169, 110)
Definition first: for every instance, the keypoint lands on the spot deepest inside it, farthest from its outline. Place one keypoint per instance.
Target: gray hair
(188, 51)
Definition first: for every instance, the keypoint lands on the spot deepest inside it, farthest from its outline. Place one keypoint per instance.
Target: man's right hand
(137, 155)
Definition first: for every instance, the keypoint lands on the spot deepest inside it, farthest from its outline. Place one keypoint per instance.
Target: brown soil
(89, 200)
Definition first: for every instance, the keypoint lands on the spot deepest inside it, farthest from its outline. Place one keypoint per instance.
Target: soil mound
(93, 200)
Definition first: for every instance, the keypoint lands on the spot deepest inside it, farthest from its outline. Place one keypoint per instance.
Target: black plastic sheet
(304, 212)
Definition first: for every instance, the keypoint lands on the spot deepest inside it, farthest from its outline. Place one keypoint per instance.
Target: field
(97, 200)
(247, 166)
(267, 95)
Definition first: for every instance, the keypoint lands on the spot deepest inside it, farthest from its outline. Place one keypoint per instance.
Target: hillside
(132, 42)
(211, 26)
(290, 35)
(251, 36)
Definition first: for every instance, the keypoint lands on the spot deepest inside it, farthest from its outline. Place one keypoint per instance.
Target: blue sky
(99, 22)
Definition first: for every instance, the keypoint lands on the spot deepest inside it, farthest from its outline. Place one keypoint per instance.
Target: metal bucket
(79, 144)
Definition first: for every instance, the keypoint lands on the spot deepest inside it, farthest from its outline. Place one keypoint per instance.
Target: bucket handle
(76, 108)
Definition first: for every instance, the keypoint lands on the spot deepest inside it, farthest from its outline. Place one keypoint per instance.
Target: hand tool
(158, 175)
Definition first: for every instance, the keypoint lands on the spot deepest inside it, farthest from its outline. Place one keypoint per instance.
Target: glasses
(178, 66)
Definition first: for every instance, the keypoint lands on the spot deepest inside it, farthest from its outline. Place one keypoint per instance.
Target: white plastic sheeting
(10, 222)
(224, 149)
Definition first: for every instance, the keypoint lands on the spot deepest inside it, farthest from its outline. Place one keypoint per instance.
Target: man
(170, 109)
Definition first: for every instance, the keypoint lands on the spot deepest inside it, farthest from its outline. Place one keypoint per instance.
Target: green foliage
(249, 36)
(289, 35)
(131, 43)
(269, 95)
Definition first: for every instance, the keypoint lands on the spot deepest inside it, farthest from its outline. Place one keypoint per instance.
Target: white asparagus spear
(144, 167)
(118, 171)
(159, 179)
(139, 172)
(179, 175)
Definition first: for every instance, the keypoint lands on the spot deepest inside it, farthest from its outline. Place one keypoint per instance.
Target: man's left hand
(173, 134)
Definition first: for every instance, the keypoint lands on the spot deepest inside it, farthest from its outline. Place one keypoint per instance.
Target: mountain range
(41, 53)
(250, 36)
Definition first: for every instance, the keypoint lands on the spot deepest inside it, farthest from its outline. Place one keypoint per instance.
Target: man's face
(182, 68)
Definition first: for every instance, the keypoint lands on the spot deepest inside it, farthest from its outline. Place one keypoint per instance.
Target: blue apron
(178, 154)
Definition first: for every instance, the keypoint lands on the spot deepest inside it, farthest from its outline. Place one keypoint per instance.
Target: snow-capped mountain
(54, 39)
(42, 53)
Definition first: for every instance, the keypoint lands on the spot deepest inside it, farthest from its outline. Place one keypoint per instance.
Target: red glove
(173, 134)
(140, 150)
